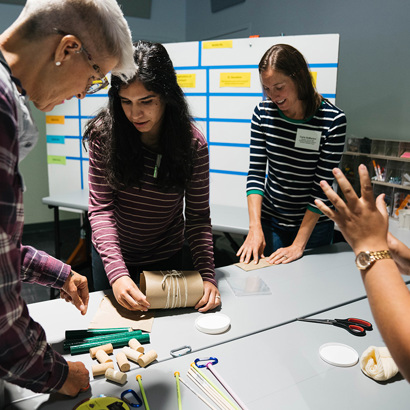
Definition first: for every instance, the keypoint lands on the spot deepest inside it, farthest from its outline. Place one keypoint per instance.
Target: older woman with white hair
(55, 50)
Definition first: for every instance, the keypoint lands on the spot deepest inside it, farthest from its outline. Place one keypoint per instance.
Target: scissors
(354, 326)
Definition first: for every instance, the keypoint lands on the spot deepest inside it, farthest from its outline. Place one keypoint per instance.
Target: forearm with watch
(389, 298)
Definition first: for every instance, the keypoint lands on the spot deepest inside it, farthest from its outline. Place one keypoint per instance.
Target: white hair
(99, 24)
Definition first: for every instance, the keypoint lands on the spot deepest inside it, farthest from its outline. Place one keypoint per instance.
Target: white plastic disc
(338, 354)
(213, 323)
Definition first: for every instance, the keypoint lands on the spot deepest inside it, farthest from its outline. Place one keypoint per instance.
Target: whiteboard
(222, 108)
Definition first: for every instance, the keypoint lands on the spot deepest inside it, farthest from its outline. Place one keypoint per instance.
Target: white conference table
(319, 281)
(278, 368)
(314, 283)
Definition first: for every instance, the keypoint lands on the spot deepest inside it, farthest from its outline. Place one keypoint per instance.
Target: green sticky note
(56, 159)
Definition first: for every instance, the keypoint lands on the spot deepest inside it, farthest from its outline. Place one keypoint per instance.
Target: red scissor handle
(360, 322)
(351, 328)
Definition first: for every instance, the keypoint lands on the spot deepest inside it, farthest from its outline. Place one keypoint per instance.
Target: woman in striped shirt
(299, 136)
(149, 183)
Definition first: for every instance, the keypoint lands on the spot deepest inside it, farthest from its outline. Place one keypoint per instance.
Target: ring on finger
(285, 256)
(217, 297)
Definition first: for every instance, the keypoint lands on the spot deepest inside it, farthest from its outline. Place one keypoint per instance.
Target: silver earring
(58, 63)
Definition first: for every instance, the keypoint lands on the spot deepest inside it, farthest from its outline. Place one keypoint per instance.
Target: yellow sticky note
(314, 77)
(235, 80)
(56, 159)
(217, 44)
(186, 80)
(55, 119)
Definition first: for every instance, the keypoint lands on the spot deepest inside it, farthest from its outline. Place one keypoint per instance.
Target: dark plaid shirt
(25, 357)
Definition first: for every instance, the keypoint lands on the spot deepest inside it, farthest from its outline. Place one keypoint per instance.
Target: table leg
(57, 248)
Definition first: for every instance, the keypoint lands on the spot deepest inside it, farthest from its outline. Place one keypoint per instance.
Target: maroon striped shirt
(139, 226)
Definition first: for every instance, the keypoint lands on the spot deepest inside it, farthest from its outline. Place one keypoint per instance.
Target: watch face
(363, 260)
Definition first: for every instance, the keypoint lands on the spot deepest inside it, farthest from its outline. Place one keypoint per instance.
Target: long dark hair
(290, 62)
(122, 152)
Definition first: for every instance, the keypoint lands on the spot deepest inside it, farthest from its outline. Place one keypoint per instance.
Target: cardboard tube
(101, 368)
(136, 345)
(165, 292)
(102, 356)
(122, 361)
(132, 354)
(147, 358)
(108, 348)
(115, 376)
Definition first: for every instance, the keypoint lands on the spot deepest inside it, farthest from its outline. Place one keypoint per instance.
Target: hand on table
(128, 294)
(285, 255)
(78, 378)
(75, 290)
(253, 247)
(362, 221)
(210, 299)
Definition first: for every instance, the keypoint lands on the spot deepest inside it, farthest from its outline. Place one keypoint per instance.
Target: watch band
(367, 258)
(376, 255)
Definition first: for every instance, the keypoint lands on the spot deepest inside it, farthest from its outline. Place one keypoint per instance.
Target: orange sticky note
(55, 119)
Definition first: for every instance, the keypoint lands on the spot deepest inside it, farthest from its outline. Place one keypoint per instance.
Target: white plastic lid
(213, 323)
(338, 354)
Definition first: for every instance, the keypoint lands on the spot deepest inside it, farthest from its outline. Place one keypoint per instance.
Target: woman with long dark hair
(149, 183)
(297, 138)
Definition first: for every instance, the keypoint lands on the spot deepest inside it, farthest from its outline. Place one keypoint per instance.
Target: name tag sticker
(308, 139)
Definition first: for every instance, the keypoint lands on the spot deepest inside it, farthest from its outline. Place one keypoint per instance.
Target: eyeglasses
(95, 85)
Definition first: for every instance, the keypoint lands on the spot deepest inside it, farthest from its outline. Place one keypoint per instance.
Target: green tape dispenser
(102, 403)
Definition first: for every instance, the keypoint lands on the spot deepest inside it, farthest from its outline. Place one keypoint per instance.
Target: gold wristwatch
(366, 259)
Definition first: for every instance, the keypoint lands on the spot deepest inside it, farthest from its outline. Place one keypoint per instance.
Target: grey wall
(373, 82)
(166, 25)
(374, 61)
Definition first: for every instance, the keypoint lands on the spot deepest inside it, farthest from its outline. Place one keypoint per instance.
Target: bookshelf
(388, 162)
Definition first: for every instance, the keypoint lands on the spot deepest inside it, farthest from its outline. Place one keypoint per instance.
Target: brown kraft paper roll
(172, 289)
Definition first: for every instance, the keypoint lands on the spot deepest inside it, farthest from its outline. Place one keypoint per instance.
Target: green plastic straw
(195, 367)
(176, 374)
(116, 341)
(84, 333)
(144, 397)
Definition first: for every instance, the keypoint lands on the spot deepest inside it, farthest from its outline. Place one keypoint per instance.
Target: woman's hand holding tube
(211, 298)
(128, 295)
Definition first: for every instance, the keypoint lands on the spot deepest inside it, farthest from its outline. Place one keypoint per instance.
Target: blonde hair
(99, 24)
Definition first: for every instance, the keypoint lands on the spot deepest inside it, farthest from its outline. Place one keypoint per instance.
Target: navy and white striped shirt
(293, 174)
